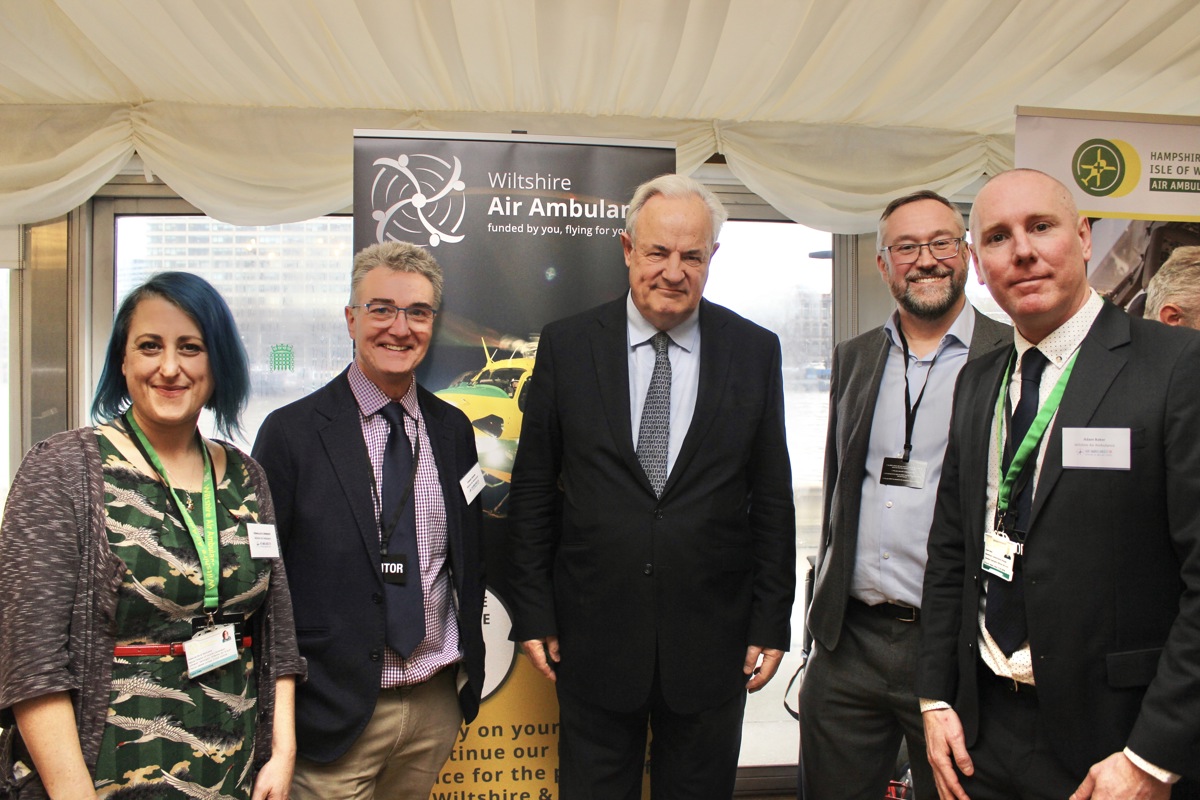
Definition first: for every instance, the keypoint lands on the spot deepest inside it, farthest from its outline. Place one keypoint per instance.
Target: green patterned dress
(168, 735)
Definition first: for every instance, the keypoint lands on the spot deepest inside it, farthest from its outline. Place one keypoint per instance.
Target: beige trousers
(399, 753)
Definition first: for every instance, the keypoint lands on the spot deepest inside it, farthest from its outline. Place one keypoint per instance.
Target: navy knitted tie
(405, 603)
(1005, 617)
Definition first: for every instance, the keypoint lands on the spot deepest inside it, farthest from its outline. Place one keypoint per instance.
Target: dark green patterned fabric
(170, 736)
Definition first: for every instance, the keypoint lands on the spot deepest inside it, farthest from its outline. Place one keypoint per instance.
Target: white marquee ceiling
(826, 108)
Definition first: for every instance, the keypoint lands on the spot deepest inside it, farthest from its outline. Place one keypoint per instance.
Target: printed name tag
(263, 542)
(1095, 448)
(209, 649)
(472, 483)
(898, 472)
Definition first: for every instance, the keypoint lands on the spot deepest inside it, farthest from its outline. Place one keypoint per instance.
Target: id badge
(394, 567)
(898, 472)
(263, 542)
(472, 483)
(999, 554)
(211, 648)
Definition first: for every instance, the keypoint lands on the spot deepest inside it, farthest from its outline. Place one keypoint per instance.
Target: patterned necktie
(1005, 617)
(655, 426)
(406, 603)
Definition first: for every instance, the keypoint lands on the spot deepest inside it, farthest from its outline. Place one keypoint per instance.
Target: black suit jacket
(627, 581)
(853, 391)
(320, 476)
(1112, 566)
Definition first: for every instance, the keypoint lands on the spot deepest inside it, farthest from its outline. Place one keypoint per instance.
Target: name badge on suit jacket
(472, 483)
(1095, 448)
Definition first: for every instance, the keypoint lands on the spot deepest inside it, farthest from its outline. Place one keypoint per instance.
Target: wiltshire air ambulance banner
(1137, 177)
(526, 230)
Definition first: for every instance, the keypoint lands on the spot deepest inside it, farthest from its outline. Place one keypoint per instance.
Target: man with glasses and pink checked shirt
(375, 482)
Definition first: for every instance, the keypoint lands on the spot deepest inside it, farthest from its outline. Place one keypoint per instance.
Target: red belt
(173, 649)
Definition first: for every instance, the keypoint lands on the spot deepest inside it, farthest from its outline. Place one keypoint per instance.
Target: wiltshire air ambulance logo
(418, 197)
(1106, 167)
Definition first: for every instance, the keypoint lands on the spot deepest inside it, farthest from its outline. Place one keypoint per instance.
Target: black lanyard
(910, 408)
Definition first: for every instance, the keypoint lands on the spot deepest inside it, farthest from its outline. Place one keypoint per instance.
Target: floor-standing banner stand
(1136, 176)
(526, 230)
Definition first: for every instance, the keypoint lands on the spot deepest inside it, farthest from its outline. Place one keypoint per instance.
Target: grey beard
(936, 308)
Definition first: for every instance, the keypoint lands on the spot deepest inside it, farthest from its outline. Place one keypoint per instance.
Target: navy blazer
(628, 581)
(320, 477)
(1112, 560)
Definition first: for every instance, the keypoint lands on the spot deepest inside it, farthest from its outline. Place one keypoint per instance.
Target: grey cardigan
(58, 594)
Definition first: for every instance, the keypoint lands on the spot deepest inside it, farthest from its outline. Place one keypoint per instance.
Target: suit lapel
(978, 404)
(716, 352)
(441, 441)
(1098, 364)
(610, 346)
(342, 439)
(863, 389)
(987, 336)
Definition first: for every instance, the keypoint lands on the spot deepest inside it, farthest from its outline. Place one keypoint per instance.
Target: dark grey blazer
(854, 387)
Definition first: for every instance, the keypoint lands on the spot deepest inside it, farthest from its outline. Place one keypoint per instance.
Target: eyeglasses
(385, 313)
(909, 252)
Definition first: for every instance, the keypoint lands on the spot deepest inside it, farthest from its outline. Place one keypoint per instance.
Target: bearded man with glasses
(889, 413)
(385, 544)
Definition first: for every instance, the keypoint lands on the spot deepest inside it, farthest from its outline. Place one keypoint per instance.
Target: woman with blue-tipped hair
(146, 639)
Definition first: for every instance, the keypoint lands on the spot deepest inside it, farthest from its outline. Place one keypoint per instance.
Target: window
(779, 275)
(296, 340)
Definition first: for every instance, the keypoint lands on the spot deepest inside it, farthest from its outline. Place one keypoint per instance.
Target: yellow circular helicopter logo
(1106, 167)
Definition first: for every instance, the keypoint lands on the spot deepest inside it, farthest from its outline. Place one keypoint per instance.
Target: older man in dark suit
(652, 546)
(384, 544)
(889, 417)
(1060, 654)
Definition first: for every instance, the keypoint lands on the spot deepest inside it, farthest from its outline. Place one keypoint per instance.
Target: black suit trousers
(692, 756)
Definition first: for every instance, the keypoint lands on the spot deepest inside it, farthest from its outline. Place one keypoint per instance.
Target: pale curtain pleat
(826, 109)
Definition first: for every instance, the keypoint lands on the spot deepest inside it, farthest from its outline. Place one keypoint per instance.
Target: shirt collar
(640, 331)
(371, 398)
(1066, 338)
(960, 331)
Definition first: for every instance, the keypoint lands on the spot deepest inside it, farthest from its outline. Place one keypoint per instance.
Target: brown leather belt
(172, 649)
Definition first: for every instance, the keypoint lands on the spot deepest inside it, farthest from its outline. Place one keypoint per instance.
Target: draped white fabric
(826, 108)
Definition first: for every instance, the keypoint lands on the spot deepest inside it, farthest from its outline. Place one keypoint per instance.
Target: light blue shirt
(893, 526)
(684, 354)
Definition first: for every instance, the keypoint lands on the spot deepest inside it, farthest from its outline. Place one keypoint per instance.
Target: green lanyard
(1033, 437)
(208, 542)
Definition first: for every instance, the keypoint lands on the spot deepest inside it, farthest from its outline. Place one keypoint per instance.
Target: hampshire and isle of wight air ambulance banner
(526, 230)
(1137, 177)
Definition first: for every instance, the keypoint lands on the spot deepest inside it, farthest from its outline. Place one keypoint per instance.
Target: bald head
(1056, 188)
(1031, 248)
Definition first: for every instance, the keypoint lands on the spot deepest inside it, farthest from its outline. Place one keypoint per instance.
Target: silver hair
(398, 257)
(676, 186)
(1177, 281)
